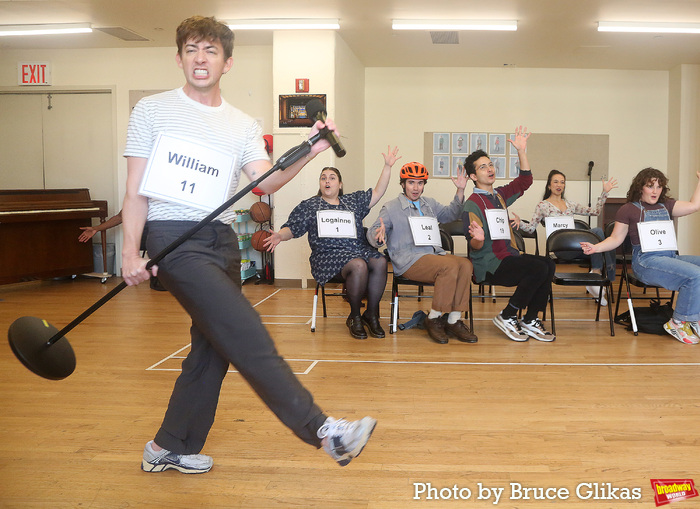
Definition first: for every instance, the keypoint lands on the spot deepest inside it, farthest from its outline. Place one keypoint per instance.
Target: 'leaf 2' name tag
(338, 224)
(553, 224)
(498, 224)
(657, 236)
(187, 173)
(425, 230)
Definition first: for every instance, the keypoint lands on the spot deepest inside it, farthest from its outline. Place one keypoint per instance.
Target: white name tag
(553, 224)
(188, 173)
(336, 224)
(497, 220)
(425, 230)
(657, 236)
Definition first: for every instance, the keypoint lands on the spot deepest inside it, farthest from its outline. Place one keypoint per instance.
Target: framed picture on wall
(477, 141)
(292, 109)
(457, 165)
(441, 143)
(441, 166)
(499, 164)
(460, 143)
(513, 167)
(497, 144)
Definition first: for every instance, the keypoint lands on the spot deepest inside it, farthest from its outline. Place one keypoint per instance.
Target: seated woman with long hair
(554, 204)
(648, 201)
(333, 221)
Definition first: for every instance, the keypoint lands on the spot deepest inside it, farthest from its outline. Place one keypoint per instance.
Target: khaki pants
(450, 275)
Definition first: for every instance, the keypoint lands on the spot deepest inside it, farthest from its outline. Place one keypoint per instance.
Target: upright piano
(39, 231)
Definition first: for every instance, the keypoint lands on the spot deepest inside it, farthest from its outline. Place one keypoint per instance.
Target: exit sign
(34, 73)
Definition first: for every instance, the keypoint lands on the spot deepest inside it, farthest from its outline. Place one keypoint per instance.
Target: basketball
(260, 212)
(258, 239)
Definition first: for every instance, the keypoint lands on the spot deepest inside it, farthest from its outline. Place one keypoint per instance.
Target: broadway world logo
(672, 490)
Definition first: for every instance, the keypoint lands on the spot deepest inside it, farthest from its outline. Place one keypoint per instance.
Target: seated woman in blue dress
(333, 221)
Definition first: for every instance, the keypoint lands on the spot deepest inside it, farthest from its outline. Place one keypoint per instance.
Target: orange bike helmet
(414, 171)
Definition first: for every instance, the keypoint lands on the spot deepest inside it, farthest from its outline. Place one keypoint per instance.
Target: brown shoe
(461, 332)
(436, 329)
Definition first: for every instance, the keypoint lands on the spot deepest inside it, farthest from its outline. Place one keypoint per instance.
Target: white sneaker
(536, 330)
(511, 327)
(696, 327)
(595, 292)
(159, 461)
(683, 332)
(344, 440)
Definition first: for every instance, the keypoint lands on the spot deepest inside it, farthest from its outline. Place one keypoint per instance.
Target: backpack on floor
(650, 319)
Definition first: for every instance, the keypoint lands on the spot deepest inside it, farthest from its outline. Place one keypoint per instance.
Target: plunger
(46, 351)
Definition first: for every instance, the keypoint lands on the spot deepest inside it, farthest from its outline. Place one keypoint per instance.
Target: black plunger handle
(289, 158)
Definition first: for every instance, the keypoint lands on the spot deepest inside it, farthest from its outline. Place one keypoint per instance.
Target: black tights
(364, 278)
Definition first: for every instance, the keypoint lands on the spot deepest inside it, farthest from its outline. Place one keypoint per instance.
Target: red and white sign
(672, 490)
(34, 73)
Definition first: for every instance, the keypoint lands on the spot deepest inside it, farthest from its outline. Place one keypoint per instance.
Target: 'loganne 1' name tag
(338, 224)
(188, 173)
(657, 236)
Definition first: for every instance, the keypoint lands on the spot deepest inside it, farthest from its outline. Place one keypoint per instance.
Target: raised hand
(520, 140)
(391, 156)
(609, 185)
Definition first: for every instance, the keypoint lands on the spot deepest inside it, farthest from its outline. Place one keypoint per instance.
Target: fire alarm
(302, 85)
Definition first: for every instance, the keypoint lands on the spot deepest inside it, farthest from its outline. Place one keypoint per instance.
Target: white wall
(630, 106)
(247, 86)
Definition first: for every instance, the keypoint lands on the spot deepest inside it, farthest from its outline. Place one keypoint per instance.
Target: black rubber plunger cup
(46, 351)
(29, 339)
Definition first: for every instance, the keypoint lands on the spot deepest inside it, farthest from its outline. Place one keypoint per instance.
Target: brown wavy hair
(643, 178)
(200, 28)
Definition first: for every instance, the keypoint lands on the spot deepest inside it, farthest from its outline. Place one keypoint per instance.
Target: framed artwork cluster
(449, 150)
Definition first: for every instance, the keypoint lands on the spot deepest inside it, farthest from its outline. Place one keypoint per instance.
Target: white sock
(454, 316)
(434, 314)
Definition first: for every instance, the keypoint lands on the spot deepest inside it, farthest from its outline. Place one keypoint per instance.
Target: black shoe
(436, 329)
(356, 328)
(373, 326)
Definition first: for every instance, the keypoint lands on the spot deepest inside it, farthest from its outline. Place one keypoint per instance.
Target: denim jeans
(610, 259)
(673, 272)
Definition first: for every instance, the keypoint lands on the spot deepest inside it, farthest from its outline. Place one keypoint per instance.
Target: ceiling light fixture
(453, 24)
(45, 29)
(283, 24)
(655, 27)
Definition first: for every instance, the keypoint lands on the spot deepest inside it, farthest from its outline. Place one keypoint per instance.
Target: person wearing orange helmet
(409, 226)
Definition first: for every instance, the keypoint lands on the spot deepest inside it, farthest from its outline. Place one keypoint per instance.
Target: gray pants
(203, 274)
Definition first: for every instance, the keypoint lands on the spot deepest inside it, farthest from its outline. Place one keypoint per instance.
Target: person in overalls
(333, 221)
(648, 219)
(409, 226)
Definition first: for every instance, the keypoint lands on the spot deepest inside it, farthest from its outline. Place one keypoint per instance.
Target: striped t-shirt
(224, 127)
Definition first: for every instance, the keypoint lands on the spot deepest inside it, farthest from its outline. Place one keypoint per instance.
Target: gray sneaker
(511, 326)
(344, 440)
(535, 329)
(158, 461)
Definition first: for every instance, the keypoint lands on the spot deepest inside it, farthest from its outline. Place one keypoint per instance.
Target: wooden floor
(587, 411)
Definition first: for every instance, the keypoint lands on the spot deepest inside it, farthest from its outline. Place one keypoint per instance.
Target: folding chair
(567, 243)
(342, 293)
(628, 278)
(447, 245)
